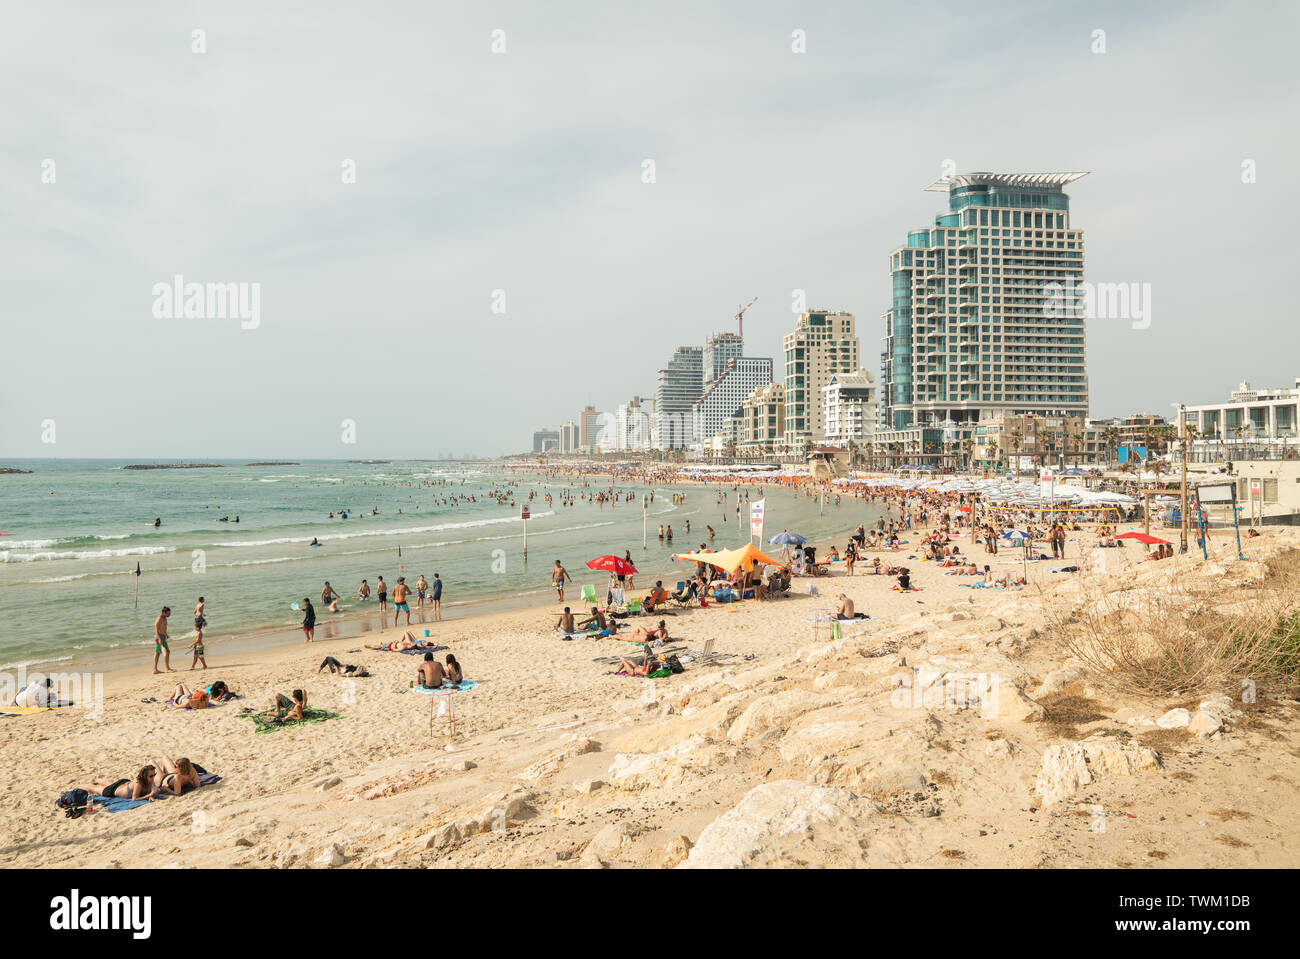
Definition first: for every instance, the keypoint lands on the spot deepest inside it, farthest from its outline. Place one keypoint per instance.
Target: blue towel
(417, 652)
(463, 686)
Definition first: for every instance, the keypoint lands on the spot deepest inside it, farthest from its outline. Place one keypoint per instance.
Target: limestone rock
(444, 838)
(505, 813)
(770, 823)
(544, 767)
(588, 786)
(331, 856)
(1204, 723)
(676, 851)
(1058, 679)
(325, 785)
(609, 841)
(772, 712)
(1068, 767)
(668, 767)
(1174, 719)
(998, 749)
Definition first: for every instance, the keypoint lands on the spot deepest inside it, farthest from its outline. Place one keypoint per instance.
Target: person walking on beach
(160, 646)
(381, 591)
(435, 597)
(308, 619)
(421, 587)
(400, 594)
(558, 576)
(197, 645)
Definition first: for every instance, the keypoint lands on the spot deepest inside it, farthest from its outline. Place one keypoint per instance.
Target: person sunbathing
(339, 669)
(219, 692)
(183, 697)
(649, 664)
(177, 777)
(430, 673)
(846, 610)
(643, 635)
(408, 641)
(453, 672)
(141, 788)
(288, 710)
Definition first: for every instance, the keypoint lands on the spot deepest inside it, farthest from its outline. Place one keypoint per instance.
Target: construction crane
(740, 317)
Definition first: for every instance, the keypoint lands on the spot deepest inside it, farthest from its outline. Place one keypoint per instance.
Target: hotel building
(822, 344)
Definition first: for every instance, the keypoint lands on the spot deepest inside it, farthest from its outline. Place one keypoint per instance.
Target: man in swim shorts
(558, 575)
(421, 587)
(160, 647)
(400, 593)
(381, 593)
(435, 597)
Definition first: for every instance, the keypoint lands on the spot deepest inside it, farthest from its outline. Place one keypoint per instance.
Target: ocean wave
(7, 556)
(404, 531)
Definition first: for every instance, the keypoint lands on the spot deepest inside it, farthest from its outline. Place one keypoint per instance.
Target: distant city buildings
(719, 350)
(680, 385)
(762, 419)
(849, 408)
(569, 437)
(546, 440)
(724, 396)
(822, 344)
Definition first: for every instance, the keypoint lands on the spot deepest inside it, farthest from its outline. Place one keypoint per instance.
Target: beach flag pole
(401, 567)
(137, 585)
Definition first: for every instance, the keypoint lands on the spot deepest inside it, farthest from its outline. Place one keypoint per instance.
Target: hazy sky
(522, 171)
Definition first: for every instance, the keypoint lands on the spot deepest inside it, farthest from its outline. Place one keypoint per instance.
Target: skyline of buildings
(984, 337)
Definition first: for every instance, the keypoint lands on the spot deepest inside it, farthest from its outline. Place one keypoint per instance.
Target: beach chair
(702, 657)
(634, 606)
(588, 594)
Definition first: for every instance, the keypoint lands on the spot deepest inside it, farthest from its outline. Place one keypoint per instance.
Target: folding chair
(702, 657)
(589, 594)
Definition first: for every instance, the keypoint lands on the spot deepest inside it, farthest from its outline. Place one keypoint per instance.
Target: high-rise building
(724, 397)
(823, 343)
(763, 418)
(987, 314)
(544, 440)
(849, 408)
(588, 429)
(680, 383)
(632, 424)
(718, 350)
(569, 437)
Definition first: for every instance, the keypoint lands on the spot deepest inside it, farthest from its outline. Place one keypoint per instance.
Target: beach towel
(464, 686)
(23, 710)
(310, 715)
(416, 652)
(122, 803)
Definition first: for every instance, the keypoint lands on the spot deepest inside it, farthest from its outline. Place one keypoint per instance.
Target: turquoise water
(77, 528)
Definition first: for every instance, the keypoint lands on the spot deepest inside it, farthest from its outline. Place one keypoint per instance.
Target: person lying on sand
(141, 788)
(408, 641)
(643, 635)
(183, 697)
(338, 669)
(648, 665)
(430, 674)
(288, 710)
(175, 777)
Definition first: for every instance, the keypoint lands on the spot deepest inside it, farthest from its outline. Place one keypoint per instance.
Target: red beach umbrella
(612, 564)
(1144, 538)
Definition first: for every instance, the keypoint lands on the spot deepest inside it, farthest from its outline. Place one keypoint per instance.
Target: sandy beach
(800, 755)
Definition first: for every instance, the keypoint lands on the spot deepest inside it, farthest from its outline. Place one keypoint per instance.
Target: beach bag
(675, 664)
(74, 802)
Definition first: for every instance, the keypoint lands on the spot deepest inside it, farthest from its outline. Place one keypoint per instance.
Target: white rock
(607, 843)
(449, 835)
(331, 856)
(1174, 719)
(1058, 679)
(774, 812)
(1069, 766)
(998, 749)
(327, 784)
(1204, 723)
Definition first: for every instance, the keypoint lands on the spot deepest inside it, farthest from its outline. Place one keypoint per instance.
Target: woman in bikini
(185, 698)
(453, 671)
(142, 788)
(177, 777)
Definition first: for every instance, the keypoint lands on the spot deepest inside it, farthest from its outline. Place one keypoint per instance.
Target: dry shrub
(1191, 634)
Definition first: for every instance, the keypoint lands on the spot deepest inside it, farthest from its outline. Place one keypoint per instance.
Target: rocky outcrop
(1068, 767)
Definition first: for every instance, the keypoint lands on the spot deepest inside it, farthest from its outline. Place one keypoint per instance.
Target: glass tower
(987, 316)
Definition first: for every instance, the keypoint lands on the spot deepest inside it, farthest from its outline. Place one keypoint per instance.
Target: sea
(74, 532)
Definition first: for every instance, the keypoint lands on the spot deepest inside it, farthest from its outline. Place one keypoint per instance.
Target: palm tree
(1111, 437)
(1075, 440)
(1016, 438)
(993, 451)
(1159, 466)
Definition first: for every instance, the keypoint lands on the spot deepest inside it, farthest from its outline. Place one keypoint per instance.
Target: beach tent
(729, 560)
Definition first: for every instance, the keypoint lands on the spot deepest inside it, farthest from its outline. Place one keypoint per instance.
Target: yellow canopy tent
(730, 560)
